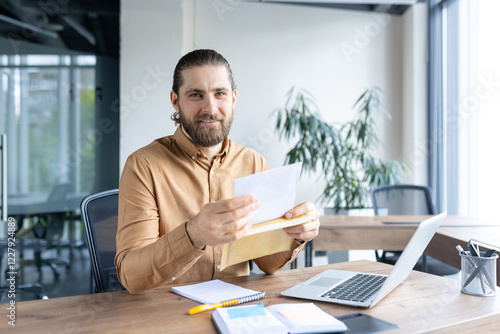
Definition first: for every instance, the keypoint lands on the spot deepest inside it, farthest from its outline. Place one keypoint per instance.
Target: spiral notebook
(214, 291)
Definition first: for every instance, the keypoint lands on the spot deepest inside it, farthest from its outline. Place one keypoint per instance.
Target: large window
(465, 105)
(47, 111)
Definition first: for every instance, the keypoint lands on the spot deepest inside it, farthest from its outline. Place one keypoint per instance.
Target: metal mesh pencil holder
(479, 274)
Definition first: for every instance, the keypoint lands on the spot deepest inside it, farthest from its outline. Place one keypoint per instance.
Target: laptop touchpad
(325, 281)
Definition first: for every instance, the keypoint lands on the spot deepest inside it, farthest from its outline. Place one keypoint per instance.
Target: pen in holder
(479, 274)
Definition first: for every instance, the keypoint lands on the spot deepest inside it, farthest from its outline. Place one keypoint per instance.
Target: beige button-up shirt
(162, 186)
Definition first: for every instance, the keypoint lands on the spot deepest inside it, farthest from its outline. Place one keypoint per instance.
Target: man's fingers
(222, 221)
(303, 236)
(301, 228)
(238, 210)
(232, 204)
(300, 210)
(306, 231)
(236, 225)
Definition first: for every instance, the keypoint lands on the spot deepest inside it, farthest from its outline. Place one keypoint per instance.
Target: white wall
(334, 54)
(414, 112)
(151, 43)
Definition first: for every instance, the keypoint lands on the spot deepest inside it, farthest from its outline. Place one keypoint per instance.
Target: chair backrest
(55, 222)
(100, 219)
(402, 199)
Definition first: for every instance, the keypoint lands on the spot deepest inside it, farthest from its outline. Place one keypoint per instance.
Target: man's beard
(206, 136)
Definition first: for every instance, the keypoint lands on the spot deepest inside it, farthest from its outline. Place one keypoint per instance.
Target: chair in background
(100, 218)
(50, 226)
(405, 199)
(46, 232)
(36, 288)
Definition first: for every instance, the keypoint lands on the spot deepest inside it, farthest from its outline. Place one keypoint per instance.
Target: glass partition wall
(47, 111)
(47, 118)
(464, 105)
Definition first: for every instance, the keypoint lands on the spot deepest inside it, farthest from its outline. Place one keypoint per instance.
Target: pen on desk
(236, 301)
(463, 252)
(473, 249)
(208, 307)
(489, 253)
(476, 247)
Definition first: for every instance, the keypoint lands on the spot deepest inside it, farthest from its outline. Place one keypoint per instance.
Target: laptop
(362, 289)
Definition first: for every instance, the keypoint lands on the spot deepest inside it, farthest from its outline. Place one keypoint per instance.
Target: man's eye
(196, 95)
(220, 93)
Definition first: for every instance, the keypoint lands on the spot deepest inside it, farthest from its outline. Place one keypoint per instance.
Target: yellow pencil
(208, 307)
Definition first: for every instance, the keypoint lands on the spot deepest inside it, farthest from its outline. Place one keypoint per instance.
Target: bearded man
(176, 205)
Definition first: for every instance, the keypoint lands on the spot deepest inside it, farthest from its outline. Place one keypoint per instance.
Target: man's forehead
(200, 77)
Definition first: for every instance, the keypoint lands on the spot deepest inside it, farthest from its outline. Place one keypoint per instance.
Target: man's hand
(306, 231)
(221, 222)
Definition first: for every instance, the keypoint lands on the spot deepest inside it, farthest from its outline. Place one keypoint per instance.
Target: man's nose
(210, 105)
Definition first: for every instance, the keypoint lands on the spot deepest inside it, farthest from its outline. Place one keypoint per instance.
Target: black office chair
(405, 199)
(46, 233)
(50, 227)
(100, 218)
(35, 288)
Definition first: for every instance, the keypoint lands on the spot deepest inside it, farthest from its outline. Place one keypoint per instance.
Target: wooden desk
(394, 232)
(38, 205)
(422, 303)
(349, 232)
(380, 232)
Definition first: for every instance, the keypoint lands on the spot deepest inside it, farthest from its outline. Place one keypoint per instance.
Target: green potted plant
(345, 152)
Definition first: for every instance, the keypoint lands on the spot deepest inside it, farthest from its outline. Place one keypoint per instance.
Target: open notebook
(276, 319)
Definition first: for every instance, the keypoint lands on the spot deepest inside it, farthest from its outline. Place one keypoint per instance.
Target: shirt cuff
(180, 244)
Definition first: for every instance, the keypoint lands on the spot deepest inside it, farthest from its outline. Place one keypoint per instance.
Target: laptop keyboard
(358, 288)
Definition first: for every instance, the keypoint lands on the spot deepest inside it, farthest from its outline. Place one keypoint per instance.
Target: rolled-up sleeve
(274, 262)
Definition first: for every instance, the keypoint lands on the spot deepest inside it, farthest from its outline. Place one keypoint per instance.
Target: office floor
(76, 281)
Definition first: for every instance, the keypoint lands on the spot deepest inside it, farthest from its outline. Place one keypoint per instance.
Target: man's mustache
(211, 117)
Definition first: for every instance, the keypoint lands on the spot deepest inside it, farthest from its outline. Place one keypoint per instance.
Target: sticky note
(243, 312)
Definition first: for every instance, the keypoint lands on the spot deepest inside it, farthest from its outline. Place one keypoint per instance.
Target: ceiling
(93, 26)
(393, 7)
(89, 26)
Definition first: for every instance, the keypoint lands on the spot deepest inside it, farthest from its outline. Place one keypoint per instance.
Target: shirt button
(193, 157)
(199, 152)
(211, 172)
(218, 267)
(173, 278)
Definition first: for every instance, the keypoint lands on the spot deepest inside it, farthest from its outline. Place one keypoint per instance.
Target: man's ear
(234, 96)
(174, 99)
